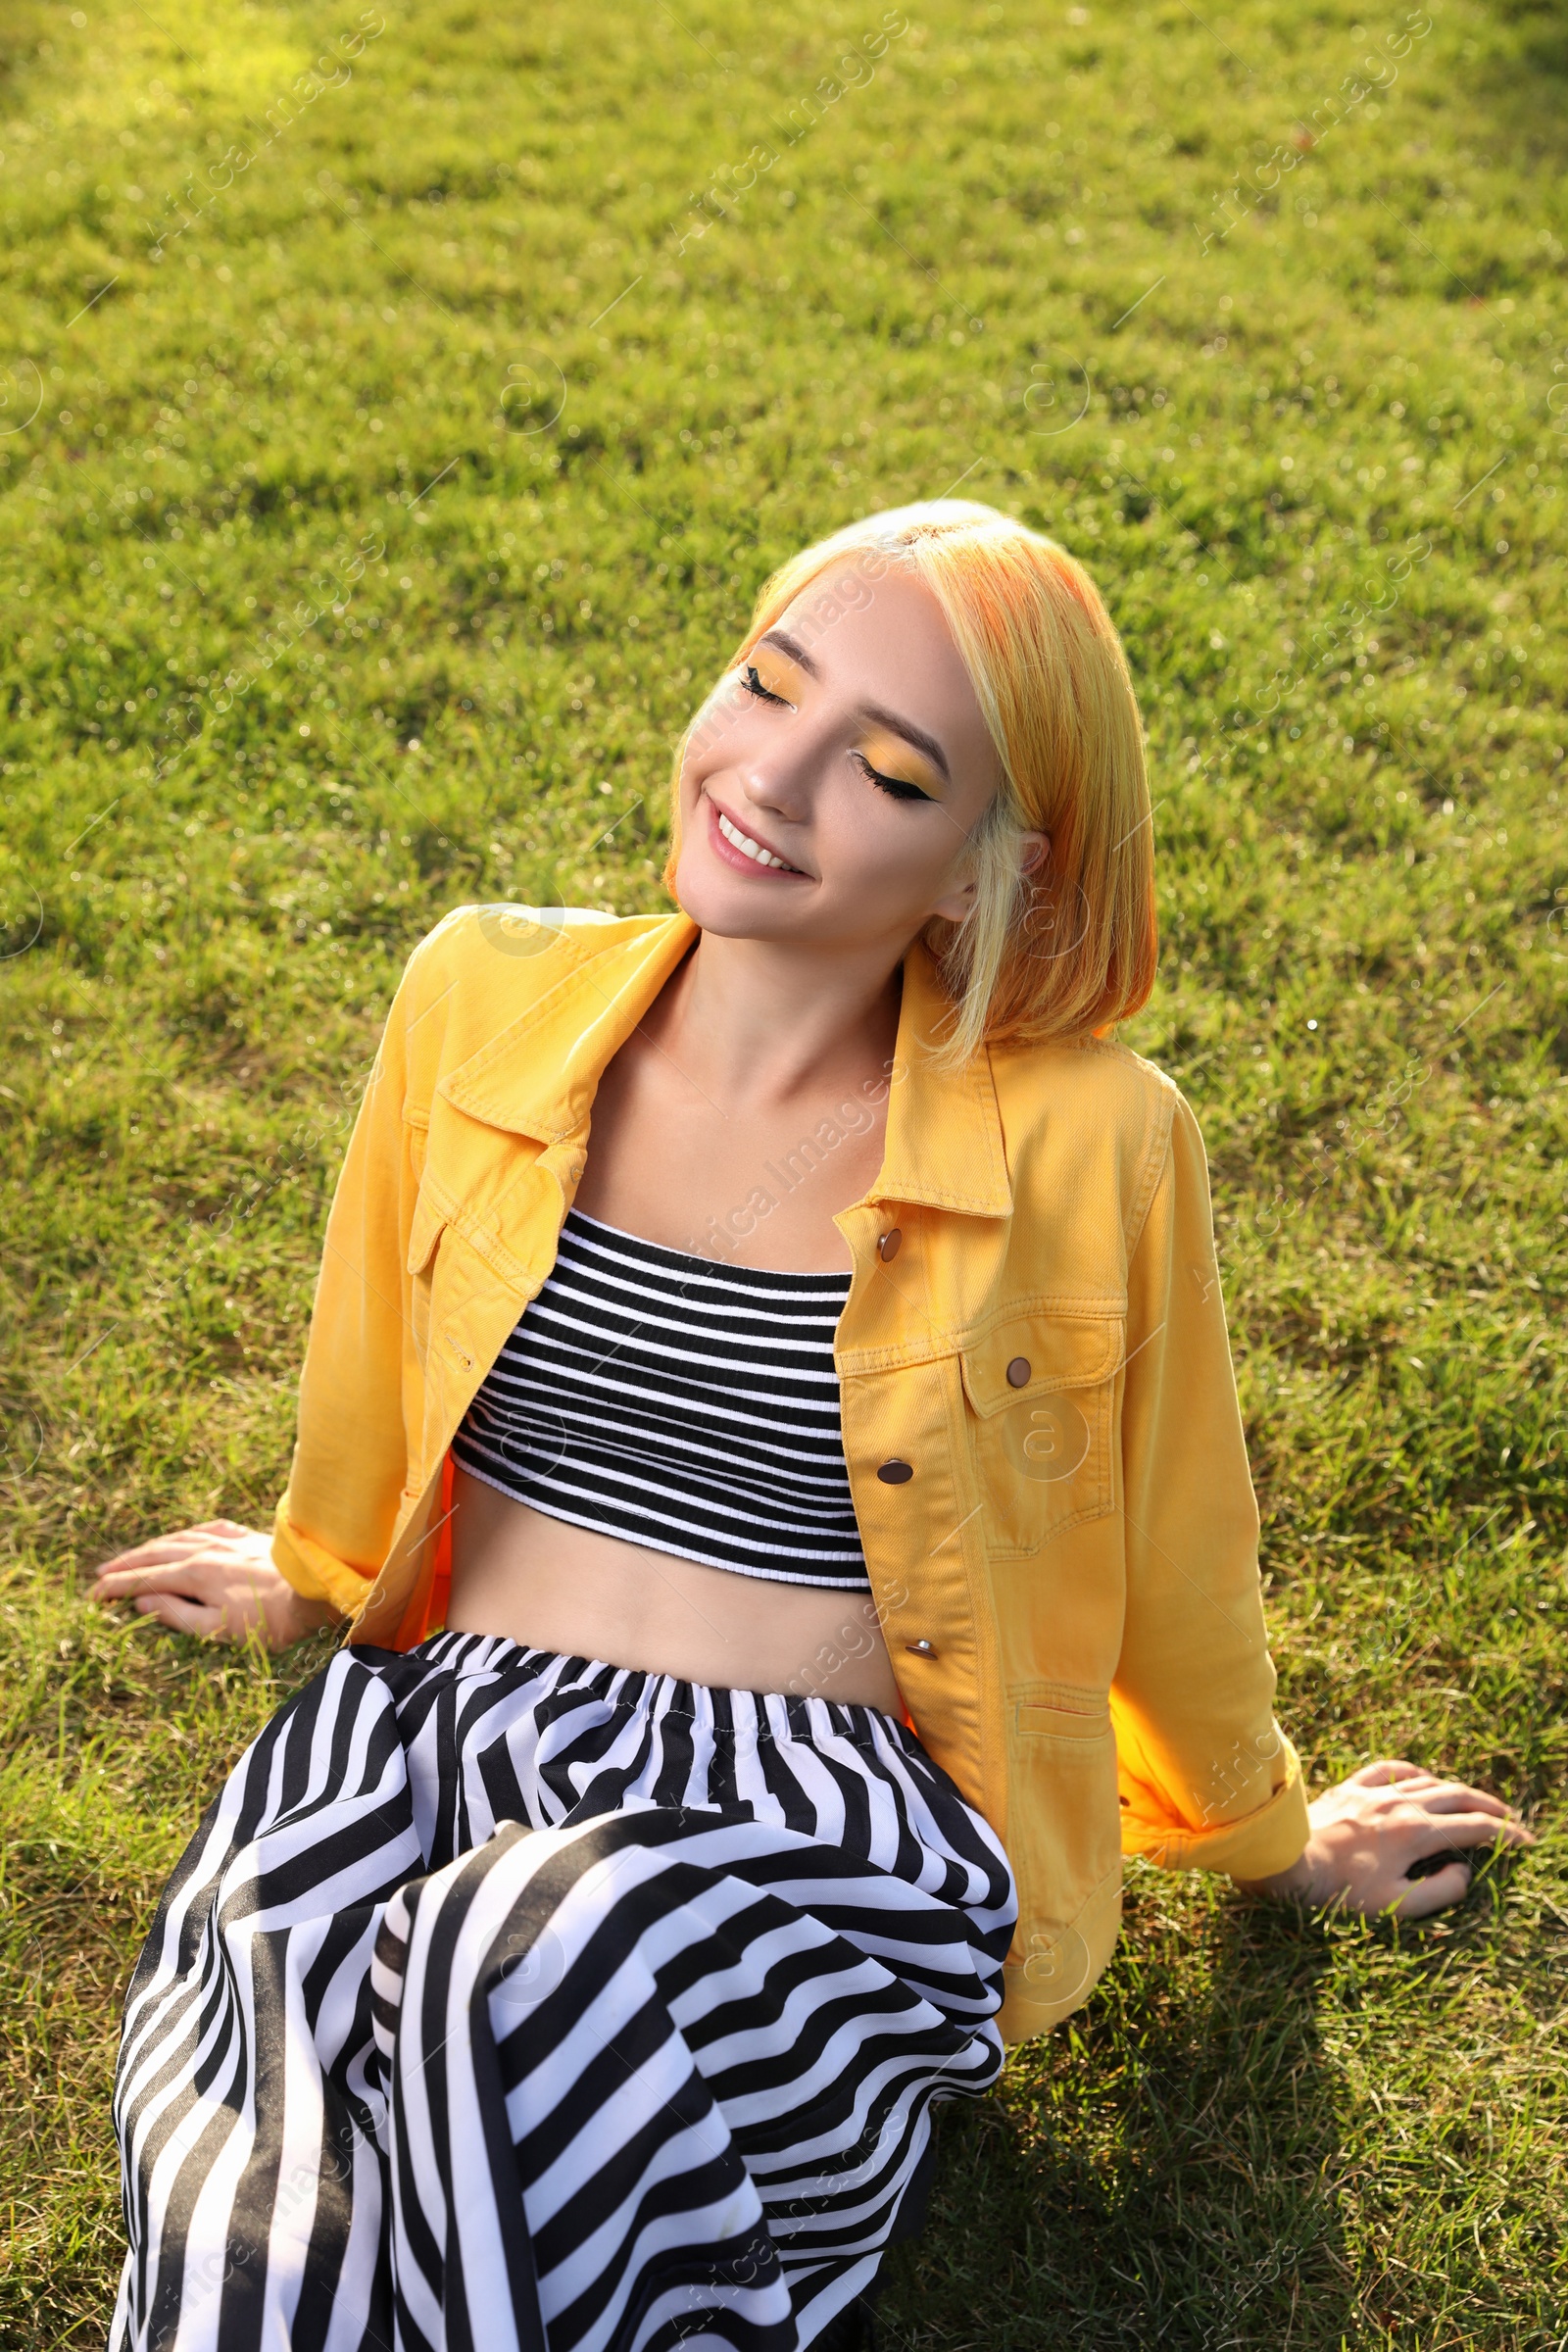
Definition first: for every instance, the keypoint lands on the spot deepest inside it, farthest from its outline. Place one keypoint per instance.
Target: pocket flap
(424, 1232)
(1037, 1355)
(1059, 1714)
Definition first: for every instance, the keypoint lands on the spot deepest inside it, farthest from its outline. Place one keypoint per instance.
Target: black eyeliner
(752, 684)
(898, 786)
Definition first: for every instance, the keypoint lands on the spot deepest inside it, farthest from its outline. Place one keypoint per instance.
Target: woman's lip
(729, 855)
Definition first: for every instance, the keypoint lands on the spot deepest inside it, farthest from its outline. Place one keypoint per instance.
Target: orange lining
(435, 1615)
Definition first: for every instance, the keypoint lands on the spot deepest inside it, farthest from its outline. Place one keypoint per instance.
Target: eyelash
(896, 786)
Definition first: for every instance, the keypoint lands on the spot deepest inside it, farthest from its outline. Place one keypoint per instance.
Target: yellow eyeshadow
(778, 674)
(891, 755)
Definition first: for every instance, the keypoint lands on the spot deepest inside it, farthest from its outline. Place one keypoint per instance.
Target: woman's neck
(755, 1023)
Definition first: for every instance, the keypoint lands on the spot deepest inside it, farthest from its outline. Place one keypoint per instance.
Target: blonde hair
(1071, 949)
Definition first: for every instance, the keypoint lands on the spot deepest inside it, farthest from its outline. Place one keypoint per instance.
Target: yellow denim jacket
(1040, 1415)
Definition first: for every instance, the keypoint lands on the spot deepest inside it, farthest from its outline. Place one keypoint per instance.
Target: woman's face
(833, 779)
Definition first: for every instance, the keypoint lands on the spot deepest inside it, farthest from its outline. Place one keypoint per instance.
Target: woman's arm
(335, 1519)
(335, 1522)
(1209, 1780)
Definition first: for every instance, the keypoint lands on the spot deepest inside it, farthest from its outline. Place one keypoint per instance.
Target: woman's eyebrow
(793, 647)
(915, 737)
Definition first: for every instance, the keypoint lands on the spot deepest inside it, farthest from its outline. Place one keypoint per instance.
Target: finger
(1482, 1828)
(179, 1615)
(1454, 1797)
(1385, 1770)
(1444, 1888)
(173, 1575)
(1429, 1813)
(173, 1546)
(1461, 1829)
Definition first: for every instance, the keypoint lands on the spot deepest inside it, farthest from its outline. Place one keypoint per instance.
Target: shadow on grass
(1162, 2170)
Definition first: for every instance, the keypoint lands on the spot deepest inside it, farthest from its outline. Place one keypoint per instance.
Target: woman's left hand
(216, 1579)
(1370, 1830)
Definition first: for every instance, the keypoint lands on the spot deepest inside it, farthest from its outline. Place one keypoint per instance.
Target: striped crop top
(684, 1405)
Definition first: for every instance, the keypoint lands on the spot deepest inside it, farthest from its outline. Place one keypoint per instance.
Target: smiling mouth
(748, 847)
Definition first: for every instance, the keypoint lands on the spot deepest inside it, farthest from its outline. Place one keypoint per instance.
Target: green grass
(450, 347)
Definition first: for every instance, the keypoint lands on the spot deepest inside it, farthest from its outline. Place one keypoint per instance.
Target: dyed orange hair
(1071, 949)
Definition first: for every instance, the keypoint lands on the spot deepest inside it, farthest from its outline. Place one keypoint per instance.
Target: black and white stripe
(501, 1993)
(690, 1406)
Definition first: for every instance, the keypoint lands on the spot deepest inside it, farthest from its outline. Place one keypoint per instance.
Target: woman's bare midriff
(553, 1586)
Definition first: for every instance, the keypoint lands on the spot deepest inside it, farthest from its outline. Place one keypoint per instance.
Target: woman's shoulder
(505, 952)
(502, 931)
(1092, 1117)
(1098, 1077)
(484, 968)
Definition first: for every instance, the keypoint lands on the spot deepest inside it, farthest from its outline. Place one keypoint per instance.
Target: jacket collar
(944, 1144)
(538, 1077)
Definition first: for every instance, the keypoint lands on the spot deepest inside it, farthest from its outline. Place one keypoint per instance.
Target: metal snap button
(888, 1247)
(921, 1648)
(1018, 1371)
(896, 1474)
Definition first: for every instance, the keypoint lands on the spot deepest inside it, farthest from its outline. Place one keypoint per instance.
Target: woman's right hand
(1372, 1828)
(217, 1580)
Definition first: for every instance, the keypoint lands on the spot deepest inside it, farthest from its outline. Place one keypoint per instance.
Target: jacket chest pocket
(1039, 1391)
(423, 1254)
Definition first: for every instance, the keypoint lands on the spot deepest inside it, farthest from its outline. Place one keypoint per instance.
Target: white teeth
(752, 849)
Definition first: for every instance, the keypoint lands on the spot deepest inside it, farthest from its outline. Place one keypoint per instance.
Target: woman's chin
(736, 906)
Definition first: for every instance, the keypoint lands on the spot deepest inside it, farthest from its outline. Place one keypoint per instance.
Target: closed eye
(898, 786)
(753, 684)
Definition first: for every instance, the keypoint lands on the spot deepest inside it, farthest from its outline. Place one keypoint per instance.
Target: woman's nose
(770, 785)
(783, 774)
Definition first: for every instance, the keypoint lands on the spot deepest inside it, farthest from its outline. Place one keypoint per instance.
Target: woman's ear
(1034, 850)
(958, 903)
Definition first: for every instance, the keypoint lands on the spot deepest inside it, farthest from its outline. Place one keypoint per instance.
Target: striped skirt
(508, 2000)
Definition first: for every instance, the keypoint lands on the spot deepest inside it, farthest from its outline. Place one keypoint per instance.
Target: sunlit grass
(452, 366)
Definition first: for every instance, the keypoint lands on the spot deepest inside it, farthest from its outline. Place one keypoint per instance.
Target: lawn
(399, 411)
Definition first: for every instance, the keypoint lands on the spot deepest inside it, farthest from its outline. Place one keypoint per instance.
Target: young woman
(768, 1425)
